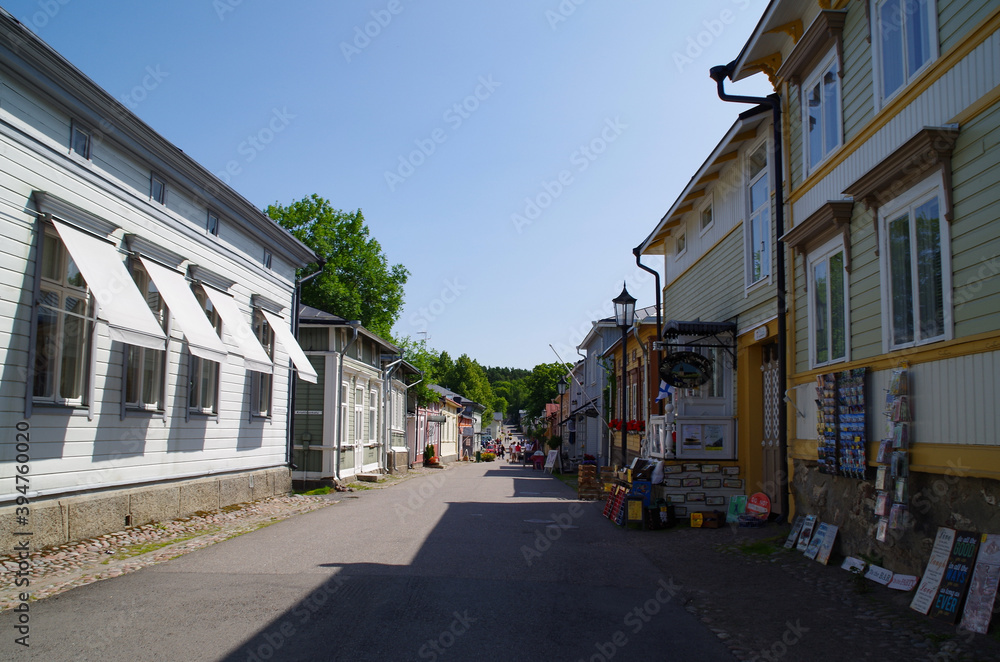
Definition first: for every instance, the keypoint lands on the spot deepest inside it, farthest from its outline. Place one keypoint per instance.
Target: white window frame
(63, 289)
(345, 392)
(262, 383)
(881, 98)
(196, 366)
(816, 77)
(372, 415)
(153, 180)
(765, 174)
(915, 196)
(823, 254)
(140, 353)
(212, 216)
(75, 128)
(359, 414)
(709, 206)
(680, 243)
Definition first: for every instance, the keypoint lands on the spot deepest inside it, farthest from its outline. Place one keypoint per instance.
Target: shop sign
(759, 505)
(686, 369)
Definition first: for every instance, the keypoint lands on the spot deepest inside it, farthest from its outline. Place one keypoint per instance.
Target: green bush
(487, 456)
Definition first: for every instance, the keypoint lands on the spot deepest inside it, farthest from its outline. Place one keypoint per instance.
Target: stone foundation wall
(61, 519)
(951, 500)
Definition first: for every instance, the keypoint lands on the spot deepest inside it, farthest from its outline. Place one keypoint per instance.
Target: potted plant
(554, 442)
(429, 457)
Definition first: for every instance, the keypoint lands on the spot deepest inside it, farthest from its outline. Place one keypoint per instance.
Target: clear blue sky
(488, 104)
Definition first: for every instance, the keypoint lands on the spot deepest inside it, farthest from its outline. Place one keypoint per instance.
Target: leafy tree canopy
(357, 282)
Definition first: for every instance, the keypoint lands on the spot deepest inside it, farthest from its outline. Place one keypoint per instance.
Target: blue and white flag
(665, 390)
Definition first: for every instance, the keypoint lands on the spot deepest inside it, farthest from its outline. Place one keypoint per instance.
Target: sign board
(550, 461)
(686, 369)
(934, 572)
(961, 562)
(760, 333)
(983, 588)
(759, 505)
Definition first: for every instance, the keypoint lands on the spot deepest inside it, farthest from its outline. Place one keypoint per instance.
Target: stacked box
(588, 486)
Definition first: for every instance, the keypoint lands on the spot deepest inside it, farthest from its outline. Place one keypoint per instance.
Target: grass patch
(569, 479)
(318, 491)
(145, 548)
(357, 486)
(764, 547)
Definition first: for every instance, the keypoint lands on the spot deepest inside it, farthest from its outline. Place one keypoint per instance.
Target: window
(203, 386)
(359, 405)
(916, 266)
(828, 319)
(64, 325)
(706, 218)
(267, 259)
(905, 42)
(157, 190)
(79, 142)
(261, 383)
(344, 392)
(212, 224)
(758, 231)
(681, 243)
(716, 386)
(372, 415)
(145, 367)
(821, 113)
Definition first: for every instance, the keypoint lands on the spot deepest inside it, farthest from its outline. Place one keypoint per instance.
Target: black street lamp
(624, 317)
(561, 388)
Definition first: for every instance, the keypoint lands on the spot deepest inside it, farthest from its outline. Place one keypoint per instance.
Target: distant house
(145, 332)
(592, 431)
(353, 419)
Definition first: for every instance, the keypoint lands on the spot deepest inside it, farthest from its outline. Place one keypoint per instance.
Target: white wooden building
(145, 314)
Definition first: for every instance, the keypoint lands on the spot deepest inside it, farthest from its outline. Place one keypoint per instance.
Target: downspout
(773, 101)
(354, 324)
(290, 427)
(637, 251)
(645, 379)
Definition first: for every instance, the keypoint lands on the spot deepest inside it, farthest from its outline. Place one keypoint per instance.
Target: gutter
(637, 251)
(773, 101)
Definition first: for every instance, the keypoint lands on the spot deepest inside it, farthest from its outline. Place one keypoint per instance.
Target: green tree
(542, 386)
(425, 360)
(357, 280)
(468, 379)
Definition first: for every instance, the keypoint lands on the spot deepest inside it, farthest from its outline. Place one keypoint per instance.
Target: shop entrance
(772, 402)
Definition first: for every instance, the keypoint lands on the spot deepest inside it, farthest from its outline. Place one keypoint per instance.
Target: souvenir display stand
(892, 493)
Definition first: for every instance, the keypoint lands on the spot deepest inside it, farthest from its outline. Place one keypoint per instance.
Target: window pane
(831, 118)
(74, 356)
(758, 194)
(820, 294)
(758, 160)
(706, 217)
(81, 143)
(918, 49)
(209, 378)
(838, 308)
(930, 289)
(815, 128)
(151, 377)
(891, 32)
(45, 352)
(73, 276)
(133, 374)
(900, 280)
(51, 252)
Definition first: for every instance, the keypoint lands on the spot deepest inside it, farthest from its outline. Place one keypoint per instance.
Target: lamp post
(624, 316)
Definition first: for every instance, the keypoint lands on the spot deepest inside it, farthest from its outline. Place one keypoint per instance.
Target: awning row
(129, 319)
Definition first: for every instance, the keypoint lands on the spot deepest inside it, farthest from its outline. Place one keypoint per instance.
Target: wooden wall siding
(976, 227)
(857, 85)
(70, 452)
(956, 18)
(971, 78)
(794, 148)
(953, 401)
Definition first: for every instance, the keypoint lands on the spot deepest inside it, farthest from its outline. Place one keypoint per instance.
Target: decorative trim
(930, 148)
(202, 275)
(826, 29)
(53, 206)
(260, 301)
(820, 227)
(146, 248)
(793, 29)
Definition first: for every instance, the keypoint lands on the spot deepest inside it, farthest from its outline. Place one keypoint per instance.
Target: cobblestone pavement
(57, 569)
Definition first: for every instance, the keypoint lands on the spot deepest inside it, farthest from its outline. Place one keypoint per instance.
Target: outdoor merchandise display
(841, 423)
(892, 475)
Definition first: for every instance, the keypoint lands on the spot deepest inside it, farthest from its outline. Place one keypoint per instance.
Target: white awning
(255, 358)
(284, 334)
(201, 337)
(119, 301)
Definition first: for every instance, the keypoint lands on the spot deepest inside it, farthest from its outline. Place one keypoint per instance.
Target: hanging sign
(686, 369)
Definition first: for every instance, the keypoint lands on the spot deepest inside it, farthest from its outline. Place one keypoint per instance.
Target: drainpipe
(290, 427)
(773, 101)
(645, 376)
(637, 251)
(355, 325)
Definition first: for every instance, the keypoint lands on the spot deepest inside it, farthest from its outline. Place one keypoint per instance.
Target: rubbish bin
(479, 456)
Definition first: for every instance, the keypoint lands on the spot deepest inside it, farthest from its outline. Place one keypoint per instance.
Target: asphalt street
(478, 562)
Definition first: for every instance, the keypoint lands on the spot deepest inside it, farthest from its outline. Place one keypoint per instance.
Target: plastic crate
(751, 521)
